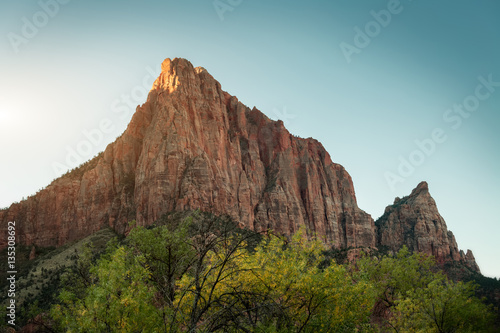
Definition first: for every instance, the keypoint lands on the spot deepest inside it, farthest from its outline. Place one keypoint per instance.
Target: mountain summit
(414, 221)
(192, 145)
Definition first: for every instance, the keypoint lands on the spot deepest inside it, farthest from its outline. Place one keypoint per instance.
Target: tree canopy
(206, 275)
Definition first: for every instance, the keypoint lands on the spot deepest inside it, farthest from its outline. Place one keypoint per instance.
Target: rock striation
(414, 221)
(192, 145)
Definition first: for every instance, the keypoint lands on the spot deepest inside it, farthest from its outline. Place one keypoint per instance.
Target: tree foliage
(204, 274)
(118, 300)
(443, 306)
(419, 298)
(395, 276)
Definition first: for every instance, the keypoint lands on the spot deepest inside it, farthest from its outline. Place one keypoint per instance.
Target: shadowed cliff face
(192, 145)
(414, 221)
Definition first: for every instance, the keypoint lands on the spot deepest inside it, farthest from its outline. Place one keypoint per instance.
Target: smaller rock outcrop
(414, 221)
(470, 260)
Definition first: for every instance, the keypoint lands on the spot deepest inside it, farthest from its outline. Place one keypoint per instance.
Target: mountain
(192, 145)
(414, 221)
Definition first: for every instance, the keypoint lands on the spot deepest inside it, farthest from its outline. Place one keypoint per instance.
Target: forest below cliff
(200, 273)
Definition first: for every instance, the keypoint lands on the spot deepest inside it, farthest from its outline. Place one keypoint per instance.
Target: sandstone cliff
(414, 221)
(192, 145)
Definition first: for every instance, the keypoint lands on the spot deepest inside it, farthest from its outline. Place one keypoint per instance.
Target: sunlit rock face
(192, 145)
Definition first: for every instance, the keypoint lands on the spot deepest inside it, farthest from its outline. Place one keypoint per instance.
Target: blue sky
(75, 67)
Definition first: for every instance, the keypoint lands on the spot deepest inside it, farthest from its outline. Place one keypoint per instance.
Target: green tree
(203, 274)
(167, 253)
(394, 276)
(134, 287)
(120, 300)
(218, 245)
(416, 297)
(444, 307)
(281, 288)
(312, 299)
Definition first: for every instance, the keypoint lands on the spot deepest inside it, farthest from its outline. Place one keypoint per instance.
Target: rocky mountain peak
(415, 221)
(421, 189)
(191, 145)
(173, 72)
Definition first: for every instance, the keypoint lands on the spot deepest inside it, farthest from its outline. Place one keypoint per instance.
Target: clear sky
(397, 91)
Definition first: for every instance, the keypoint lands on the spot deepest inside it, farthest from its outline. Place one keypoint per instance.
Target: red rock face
(414, 221)
(192, 145)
